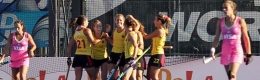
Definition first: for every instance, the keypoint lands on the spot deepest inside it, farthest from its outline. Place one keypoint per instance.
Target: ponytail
(79, 21)
(166, 21)
(167, 25)
(73, 23)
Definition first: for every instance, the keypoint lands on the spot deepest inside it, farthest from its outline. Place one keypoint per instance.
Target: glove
(248, 59)
(132, 62)
(69, 61)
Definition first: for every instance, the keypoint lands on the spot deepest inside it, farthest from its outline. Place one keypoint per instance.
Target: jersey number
(156, 60)
(139, 64)
(81, 42)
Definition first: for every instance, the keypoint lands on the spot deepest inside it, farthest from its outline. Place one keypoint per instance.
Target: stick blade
(207, 60)
(168, 47)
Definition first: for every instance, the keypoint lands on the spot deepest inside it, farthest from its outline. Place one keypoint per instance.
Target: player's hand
(248, 59)
(129, 16)
(212, 52)
(31, 54)
(132, 62)
(69, 61)
(105, 36)
(144, 34)
(213, 55)
(108, 28)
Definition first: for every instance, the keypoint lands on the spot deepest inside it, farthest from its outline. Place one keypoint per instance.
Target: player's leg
(150, 63)
(122, 63)
(15, 73)
(104, 70)
(141, 65)
(23, 72)
(133, 75)
(129, 72)
(113, 60)
(234, 68)
(76, 64)
(24, 68)
(236, 60)
(89, 67)
(139, 74)
(96, 68)
(158, 62)
(78, 73)
(155, 72)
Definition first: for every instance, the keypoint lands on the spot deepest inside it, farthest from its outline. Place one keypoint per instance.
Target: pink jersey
(19, 48)
(231, 35)
(232, 50)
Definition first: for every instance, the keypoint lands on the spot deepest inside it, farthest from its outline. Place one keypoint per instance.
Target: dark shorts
(84, 61)
(127, 60)
(114, 57)
(157, 60)
(98, 63)
(141, 63)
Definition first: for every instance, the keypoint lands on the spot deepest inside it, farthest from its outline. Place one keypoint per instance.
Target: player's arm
(32, 44)
(217, 33)
(133, 38)
(156, 33)
(245, 36)
(71, 43)
(90, 37)
(6, 48)
(108, 38)
(216, 39)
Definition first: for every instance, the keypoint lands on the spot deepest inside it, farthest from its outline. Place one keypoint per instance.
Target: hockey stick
(115, 67)
(208, 59)
(123, 73)
(9, 61)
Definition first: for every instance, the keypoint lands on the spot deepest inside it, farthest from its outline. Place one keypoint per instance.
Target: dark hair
(165, 20)
(21, 23)
(78, 20)
(233, 4)
(130, 23)
(141, 29)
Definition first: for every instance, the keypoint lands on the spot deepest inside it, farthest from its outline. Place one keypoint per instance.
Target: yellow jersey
(158, 43)
(83, 44)
(99, 50)
(129, 47)
(118, 38)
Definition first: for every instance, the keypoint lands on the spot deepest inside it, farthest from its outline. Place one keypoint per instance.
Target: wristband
(248, 55)
(212, 49)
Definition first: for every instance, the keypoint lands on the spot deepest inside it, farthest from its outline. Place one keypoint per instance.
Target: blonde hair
(233, 5)
(96, 22)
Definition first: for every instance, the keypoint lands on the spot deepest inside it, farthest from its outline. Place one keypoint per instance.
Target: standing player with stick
(19, 41)
(84, 38)
(162, 23)
(131, 47)
(99, 50)
(232, 27)
(141, 64)
(118, 47)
